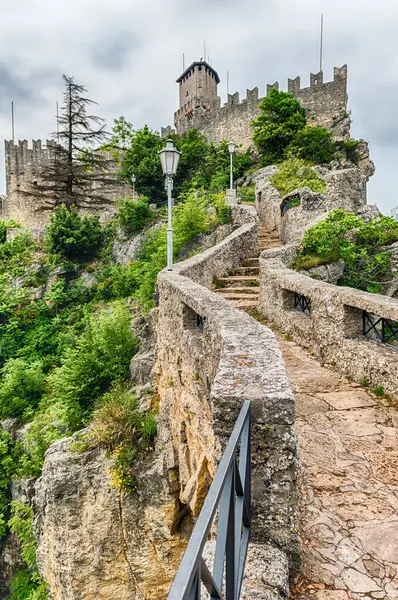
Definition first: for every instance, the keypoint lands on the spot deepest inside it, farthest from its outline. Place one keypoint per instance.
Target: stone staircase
(241, 287)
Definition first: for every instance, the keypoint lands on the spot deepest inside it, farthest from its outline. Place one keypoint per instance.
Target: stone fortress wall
(23, 166)
(325, 102)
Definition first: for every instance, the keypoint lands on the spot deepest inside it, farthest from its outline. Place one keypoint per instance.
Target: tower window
(200, 68)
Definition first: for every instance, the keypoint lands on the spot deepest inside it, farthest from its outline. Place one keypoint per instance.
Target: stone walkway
(349, 490)
(349, 455)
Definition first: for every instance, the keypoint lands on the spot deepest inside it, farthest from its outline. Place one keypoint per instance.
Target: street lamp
(169, 158)
(231, 148)
(133, 180)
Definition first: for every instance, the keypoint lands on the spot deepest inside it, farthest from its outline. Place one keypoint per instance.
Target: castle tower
(197, 90)
(199, 81)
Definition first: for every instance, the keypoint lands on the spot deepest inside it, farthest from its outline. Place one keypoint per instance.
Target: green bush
(134, 215)
(101, 356)
(10, 453)
(125, 431)
(21, 388)
(296, 173)
(280, 118)
(27, 583)
(314, 144)
(350, 148)
(4, 226)
(247, 194)
(19, 248)
(357, 243)
(72, 236)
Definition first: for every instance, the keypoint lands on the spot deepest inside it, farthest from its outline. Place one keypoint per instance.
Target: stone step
(247, 271)
(233, 294)
(250, 262)
(245, 304)
(252, 290)
(240, 280)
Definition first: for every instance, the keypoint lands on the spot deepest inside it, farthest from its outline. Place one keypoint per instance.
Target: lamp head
(231, 147)
(169, 158)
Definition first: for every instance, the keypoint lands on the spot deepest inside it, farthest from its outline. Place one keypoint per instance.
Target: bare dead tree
(77, 173)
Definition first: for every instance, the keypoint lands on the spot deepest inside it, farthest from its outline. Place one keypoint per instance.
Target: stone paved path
(348, 443)
(349, 491)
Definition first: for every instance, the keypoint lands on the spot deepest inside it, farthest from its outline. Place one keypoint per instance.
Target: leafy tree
(202, 164)
(142, 158)
(133, 214)
(123, 131)
(281, 117)
(72, 236)
(314, 144)
(76, 174)
(22, 386)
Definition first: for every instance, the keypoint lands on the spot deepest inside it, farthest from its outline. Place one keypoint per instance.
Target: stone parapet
(210, 358)
(333, 329)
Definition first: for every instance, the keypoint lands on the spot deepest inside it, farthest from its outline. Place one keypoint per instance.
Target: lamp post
(231, 148)
(169, 158)
(133, 180)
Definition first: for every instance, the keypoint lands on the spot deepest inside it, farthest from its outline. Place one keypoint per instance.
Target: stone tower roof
(201, 63)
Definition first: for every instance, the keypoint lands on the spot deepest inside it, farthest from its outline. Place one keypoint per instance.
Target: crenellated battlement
(325, 102)
(19, 158)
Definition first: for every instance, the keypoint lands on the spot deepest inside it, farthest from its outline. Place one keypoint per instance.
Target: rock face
(295, 220)
(98, 544)
(345, 189)
(329, 273)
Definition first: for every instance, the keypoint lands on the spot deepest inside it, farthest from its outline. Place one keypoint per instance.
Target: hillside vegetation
(362, 245)
(66, 342)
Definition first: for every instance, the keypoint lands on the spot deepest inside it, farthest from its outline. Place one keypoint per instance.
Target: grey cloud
(112, 53)
(128, 54)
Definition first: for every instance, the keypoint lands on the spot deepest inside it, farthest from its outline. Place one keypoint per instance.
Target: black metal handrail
(302, 303)
(379, 329)
(231, 491)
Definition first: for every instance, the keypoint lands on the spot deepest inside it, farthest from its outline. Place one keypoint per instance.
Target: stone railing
(210, 358)
(334, 323)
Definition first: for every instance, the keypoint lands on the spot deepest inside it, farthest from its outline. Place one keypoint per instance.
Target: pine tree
(77, 173)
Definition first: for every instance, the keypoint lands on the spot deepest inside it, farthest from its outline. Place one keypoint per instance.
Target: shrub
(133, 215)
(27, 583)
(4, 226)
(378, 390)
(350, 148)
(281, 117)
(10, 453)
(314, 144)
(247, 194)
(296, 173)
(101, 356)
(21, 388)
(124, 431)
(72, 236)
(343, 235)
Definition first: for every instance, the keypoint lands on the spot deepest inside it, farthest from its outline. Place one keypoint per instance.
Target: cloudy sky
(128, 54)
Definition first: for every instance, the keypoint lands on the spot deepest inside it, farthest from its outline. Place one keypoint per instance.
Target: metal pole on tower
(12, 121)
(57, 122)
(204, 51)
(321, 48)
